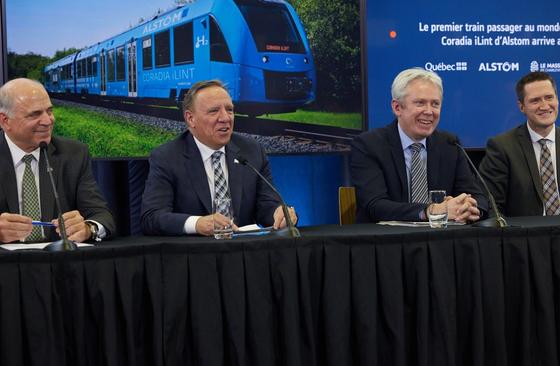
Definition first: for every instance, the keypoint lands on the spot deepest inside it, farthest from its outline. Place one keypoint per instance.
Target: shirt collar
(18, 154)
(535, 137)
(407, 141)
(205, 151)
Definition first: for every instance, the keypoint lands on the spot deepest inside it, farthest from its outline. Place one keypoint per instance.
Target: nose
(224, 115)
(46, 118)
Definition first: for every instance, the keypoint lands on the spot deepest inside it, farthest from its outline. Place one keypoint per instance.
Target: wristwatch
(94, 230)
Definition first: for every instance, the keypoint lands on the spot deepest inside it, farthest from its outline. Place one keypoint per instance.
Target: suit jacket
(378, 172)
(76, 186)
(512, 174)
(177, 186)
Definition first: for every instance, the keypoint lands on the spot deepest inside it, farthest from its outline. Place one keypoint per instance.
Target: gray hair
(398, 89)
(188, 101)
(7, 95)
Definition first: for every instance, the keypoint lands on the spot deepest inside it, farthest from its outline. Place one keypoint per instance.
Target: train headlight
(305, 60)
(265, 59)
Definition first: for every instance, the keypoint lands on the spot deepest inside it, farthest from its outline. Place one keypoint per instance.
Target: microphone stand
(499, 220)
(291, 229)
(64, 244)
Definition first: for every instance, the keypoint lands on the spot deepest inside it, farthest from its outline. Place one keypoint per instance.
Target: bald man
(27, 119)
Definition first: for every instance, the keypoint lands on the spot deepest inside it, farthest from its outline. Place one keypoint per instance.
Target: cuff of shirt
(101, 232)
(190, 225)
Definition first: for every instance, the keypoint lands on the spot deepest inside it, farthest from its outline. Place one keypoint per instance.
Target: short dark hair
(188, 100)
(531, 78)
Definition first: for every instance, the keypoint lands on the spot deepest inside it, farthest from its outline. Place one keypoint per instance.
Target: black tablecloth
(355, 295)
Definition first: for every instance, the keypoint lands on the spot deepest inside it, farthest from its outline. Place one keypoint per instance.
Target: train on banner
(258, 48)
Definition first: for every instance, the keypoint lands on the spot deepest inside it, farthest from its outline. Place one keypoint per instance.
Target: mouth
(225, 129)
(425, 122)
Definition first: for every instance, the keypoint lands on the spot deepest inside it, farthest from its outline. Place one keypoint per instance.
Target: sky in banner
(43, 27)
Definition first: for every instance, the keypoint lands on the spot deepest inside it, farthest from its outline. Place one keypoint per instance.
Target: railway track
(306, 136)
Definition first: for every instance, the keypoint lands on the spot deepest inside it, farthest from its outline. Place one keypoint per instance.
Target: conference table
(339, 295)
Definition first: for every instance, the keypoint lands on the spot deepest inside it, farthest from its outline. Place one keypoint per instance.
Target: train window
(183, 43)
(84, 69)
(111, 65)
(147, 52)
(272, 27)
(88, 66)
(161, 41)
(78, 69)
(120, 63)
(94, 66)
(219, 50)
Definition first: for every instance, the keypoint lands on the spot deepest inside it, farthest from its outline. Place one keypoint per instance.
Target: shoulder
(244, 145)
(172, 147)
(510, 135)
(70, 147)
(377, 136)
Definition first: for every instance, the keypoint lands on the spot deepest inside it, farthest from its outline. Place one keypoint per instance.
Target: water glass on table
(437, 214)
(223, 206)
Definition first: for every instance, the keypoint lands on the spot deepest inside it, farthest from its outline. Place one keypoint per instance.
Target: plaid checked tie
(220, 184)
(548, 179)
(418, 176)
(30, 198)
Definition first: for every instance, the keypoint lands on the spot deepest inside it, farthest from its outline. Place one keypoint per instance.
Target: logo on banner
(545, 66)
(499, 66)
(442, 66)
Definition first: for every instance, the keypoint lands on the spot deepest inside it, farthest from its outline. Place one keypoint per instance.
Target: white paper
(19, 246)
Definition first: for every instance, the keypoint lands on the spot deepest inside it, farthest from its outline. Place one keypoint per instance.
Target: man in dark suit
(181, 183)
(26, 118)
(517, 171)
(383, 160)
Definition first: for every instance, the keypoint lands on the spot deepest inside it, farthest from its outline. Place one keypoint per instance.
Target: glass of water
(223, 206)
(437, 214)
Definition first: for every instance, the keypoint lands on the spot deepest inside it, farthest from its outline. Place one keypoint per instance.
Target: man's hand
(14, 227)
(280, 220)
(205, 224)
(76, 228)
(462, 208)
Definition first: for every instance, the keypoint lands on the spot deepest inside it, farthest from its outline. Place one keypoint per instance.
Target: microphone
(64, 244)
(499, 220)
(292, 229)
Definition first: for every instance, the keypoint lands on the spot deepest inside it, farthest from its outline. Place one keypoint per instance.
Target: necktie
(30, 198)
(220, 184)
(418, 176)
(548, 179)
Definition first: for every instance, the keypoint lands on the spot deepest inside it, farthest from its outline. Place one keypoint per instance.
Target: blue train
(257, 47)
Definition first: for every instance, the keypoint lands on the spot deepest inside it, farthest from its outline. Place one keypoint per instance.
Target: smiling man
(27, 119)
(395, 166)
(520, 165)
(185, 172)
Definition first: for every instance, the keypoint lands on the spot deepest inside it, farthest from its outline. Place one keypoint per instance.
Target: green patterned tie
(30, 199)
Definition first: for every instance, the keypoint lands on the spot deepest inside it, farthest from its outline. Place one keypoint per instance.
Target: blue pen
(42, 223)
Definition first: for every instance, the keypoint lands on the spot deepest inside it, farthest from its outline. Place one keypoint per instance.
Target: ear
(4, 121)
(521, 107)
(189, 118)
(397, 108)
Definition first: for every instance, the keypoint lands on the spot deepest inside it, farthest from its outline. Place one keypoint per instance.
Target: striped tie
(30, 198)
(220, 184)
(548, 179)
(418, 176)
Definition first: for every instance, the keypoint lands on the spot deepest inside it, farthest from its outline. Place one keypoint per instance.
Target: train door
(131, 69)
(102, 74)
(201, 41)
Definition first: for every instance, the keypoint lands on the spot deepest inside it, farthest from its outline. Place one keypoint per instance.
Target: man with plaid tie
(187, 173)
(521, 165)
(394, 167)
(27, 119)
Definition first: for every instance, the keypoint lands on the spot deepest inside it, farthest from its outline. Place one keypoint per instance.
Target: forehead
(539, 87)
(31, 98)
(420, 88)
(213, 95)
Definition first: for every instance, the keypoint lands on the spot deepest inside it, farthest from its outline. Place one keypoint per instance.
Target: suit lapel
(524, 140)
(398, 158)
(48, 210)
(235, 177)
(196, 173)
(7, 171)
(432, 165)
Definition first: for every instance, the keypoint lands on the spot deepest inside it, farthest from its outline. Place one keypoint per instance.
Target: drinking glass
(437, 215)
